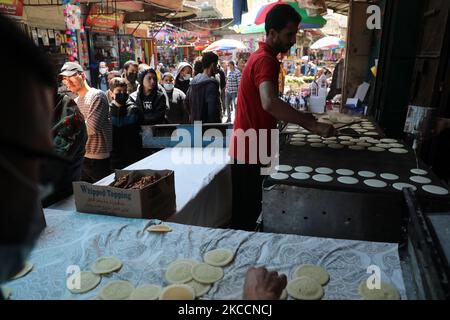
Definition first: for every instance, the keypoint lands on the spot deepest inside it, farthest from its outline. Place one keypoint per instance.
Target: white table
(202, 184)
(75, 239)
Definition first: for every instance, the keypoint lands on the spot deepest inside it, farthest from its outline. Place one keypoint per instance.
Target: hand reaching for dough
(260, 284)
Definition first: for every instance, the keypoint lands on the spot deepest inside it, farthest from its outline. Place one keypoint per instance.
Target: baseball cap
(70, 68)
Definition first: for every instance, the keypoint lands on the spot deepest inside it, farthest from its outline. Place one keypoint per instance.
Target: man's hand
(324, 130)
(260, 284)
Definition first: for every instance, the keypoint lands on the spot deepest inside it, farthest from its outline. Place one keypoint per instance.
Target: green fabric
(319, 21)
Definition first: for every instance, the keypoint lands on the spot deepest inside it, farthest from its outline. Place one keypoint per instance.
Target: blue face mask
(168, 86)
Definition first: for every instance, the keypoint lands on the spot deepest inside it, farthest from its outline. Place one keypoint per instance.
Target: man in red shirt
(259, 108)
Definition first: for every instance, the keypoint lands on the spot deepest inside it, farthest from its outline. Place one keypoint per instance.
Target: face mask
(168, 86)
(121, 98)
(132, 76)
(187, 77)
(103, 70)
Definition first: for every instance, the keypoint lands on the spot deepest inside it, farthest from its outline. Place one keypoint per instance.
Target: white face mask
(103, 70)
(168, 86)
(187, 77)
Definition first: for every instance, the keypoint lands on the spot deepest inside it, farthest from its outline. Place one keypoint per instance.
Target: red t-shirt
(261, 66)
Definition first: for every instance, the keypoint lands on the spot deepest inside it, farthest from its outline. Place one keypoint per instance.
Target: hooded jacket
(127, 141)
(177, 112)
(203, 100)
(182, 84)
(154, 106)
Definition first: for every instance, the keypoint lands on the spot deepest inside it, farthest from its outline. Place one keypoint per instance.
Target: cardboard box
(155, 201)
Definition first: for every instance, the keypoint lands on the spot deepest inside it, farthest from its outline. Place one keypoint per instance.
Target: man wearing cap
(94, 106)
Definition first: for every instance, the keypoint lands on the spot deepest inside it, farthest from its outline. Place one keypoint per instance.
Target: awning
(45, 17)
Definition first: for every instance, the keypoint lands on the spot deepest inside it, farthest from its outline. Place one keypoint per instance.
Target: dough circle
(218, 257)
(88, 281)
(148, 292)
(177, 292)
(204, 273)
(105, 265)
(305, 288)
(159, 228)
(179, 272)
(314, 272)
(199, 288)
(116, 290)
(386, 292)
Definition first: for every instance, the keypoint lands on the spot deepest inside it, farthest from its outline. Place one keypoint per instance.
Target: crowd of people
(100, 128)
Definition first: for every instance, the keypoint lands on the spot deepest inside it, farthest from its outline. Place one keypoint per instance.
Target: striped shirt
(233, 79)
(95, 109)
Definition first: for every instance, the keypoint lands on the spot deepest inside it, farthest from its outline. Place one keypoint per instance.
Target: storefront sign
(96, 18)
(11, 7)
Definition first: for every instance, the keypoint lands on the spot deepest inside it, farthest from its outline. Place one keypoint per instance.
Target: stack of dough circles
(25, 270)
(357, 148)
(199, 288)
(179, 272)
(376, 149)
(305, 288)
(88, 281)
(204, 273)
(386, 292)
(177, 292)
(314, 272)
(105, 265)
(298, 143)
(159, 228)
(218, 257)
(148, 292)
(116, 290)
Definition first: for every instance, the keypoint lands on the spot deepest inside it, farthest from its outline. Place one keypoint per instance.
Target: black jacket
(203, 100)
(177, 112)
(153, 107)
(69, 139)
(127, 141)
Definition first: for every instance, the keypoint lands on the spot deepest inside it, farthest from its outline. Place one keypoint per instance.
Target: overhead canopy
(225, 45)
(46, 17)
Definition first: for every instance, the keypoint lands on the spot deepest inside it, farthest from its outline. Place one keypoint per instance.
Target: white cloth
(79, 239)
(202, 184)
